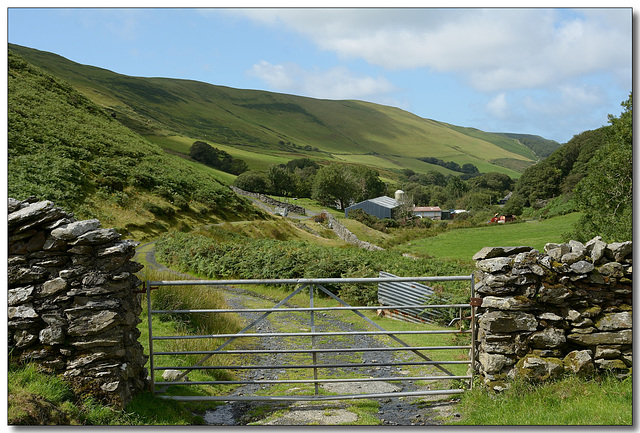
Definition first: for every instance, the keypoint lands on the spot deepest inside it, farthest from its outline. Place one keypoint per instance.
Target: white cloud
(496, 49)
(334, 83)
(498, 106)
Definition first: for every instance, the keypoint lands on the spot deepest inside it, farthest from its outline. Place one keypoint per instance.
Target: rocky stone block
(548, 338)
(579, 362)
(539, 369)
(506, 322)
(615, 321)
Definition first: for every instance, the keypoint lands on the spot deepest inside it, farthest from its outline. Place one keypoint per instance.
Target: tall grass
(571, 401)
(188, 297)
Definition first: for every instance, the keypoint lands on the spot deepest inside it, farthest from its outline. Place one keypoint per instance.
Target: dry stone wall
(567, 310)
(345, 234)
(73, 304)
(270, 201)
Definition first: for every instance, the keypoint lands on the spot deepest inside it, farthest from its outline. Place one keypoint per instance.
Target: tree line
(329, 185)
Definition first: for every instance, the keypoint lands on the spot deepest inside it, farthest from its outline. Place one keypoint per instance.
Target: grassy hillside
(251, 124)
(64, 148)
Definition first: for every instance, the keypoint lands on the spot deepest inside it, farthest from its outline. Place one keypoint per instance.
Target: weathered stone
(611, 364)
(612, 269)
(54, 286)
(607, 352)
(507, 303)
(579, 362)
(582, 267)
(553, 294)
(23, 339)
(173, 375)
(500, 280)
(20, 295)
(19, 275)
(537, 369)
(51, 336)
(96, 237)
(25, 311)
(13, 204)
(571, 258)
(619, 250)
(513, 321)
(93, 324)
(615, 321)
(501, 347)
(123, 247)
(550, 316)
(54, 319)
(36, 242)
(548, 337)
(557, 251)
(494, 363)
(596, 249)
(564, 248)
(491, 252)
(597, 338)
(577, 247)
(31, 211)
(81, 249)
(494, 265)
(75, 229)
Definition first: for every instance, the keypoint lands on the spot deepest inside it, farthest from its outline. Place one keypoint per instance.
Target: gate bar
(269, 381)
(349, 349)
(305, 309)
(309, 281)
(308, 334)
(309, 398)
(272, 367)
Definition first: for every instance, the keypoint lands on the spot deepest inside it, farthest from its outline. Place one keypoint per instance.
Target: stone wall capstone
(567, 310)
(72, 301)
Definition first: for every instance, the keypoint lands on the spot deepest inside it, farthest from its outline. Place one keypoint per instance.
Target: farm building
(380, 207)
(433, 212)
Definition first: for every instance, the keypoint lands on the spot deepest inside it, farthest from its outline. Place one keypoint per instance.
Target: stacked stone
(565, 310)
(270, 201)
(73, 301)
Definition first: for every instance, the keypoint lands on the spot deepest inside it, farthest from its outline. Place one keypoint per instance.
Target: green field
(464, 243)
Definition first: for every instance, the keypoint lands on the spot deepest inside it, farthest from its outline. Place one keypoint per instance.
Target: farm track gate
(312, 349)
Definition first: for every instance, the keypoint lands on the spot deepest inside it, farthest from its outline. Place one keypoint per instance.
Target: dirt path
(405, 411)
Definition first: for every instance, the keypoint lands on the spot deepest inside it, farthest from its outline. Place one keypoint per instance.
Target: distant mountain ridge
(258, 126)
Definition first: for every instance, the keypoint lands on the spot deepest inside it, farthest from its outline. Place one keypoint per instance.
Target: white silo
(400, 196)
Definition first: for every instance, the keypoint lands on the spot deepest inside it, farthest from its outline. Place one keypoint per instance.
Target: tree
(367, 183)
(280, 180)
(605, 194)
(333, 183)
(252, 181)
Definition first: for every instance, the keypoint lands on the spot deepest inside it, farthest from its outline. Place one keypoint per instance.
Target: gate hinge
(475, 302)
(144, 288)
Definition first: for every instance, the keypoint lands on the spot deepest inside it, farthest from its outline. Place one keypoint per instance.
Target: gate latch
(475, 302)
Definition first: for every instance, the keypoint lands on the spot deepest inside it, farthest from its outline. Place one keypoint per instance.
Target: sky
(542, 71)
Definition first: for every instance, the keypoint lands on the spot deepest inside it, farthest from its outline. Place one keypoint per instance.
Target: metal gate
(313, 349)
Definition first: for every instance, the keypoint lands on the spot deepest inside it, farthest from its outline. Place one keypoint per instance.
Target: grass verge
(571, 401)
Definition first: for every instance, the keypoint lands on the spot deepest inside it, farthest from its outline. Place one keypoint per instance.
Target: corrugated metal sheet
(403, 293)
(379, 207)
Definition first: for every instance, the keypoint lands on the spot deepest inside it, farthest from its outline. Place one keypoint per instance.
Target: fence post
(152, 381)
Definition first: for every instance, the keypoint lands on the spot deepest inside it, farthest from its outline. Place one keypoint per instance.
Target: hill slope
(64, 148)
(285, 126)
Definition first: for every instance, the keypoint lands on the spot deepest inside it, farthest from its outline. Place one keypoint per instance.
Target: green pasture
(464, 243)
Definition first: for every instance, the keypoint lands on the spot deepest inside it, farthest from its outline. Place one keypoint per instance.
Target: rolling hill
(264, 127)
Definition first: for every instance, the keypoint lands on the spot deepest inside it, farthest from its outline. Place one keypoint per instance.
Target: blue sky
(548, 72)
